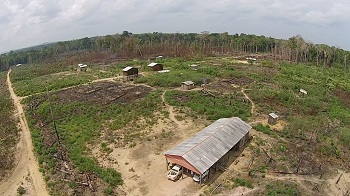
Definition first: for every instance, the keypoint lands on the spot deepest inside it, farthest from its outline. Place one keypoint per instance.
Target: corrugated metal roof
(127, 68)
(273, 115)
(205, 148)
(152, 64)
(188, 82)
(303, 91)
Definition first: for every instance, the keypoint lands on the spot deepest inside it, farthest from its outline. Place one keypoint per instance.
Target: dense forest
(128, 45)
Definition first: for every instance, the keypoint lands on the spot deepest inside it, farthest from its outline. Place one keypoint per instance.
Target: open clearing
(107, 126)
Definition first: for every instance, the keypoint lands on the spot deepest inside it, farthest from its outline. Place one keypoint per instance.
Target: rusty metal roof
(205, 148)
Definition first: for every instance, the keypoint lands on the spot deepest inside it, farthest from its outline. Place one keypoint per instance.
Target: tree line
(146, 45)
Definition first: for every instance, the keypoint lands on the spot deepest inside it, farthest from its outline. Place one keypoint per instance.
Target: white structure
(302, 93)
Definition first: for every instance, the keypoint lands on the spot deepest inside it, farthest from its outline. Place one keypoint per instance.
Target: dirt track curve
(26, 169)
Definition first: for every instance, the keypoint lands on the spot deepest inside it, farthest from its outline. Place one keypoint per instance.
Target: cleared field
(112, 135)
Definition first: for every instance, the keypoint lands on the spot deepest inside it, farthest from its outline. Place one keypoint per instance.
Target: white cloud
(30, 22)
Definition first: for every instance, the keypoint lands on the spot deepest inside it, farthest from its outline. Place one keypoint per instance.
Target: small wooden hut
(272, 120)
(187, 85)
(156, 66)
(130, 72)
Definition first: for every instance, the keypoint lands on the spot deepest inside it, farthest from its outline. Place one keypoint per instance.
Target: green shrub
(21, 190)
(243, 182)
(265, 129)
(281, 189)
(214, 108)
(345, 136)
(108, 191)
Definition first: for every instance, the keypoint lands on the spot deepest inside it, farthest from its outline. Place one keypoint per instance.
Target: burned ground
(344, 96)
(103, 93)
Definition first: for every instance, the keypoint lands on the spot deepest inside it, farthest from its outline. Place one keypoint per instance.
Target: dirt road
(26, 172)
(171, 111)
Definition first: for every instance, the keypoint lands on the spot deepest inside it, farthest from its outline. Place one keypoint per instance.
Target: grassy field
(315, 127)
(8, 131)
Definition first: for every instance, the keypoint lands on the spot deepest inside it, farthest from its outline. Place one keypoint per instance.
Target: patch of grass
(174, 78)
(243, 182)
(224, 106)
(21, 190)
(39, 84)
(265, 129)
(78, 125)
(345, 136)
(280, 188)
(108, 191)
(8, 130)
(30, 71)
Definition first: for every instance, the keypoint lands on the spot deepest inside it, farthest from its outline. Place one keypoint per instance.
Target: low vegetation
(222, 106)
(243, 182)
(312, 130)
(78, 124)
(8, 131)
(281, 188)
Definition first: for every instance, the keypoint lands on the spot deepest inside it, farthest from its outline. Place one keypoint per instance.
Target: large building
(204, 150)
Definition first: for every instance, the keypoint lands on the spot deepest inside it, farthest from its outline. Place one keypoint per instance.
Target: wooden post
(167, 164)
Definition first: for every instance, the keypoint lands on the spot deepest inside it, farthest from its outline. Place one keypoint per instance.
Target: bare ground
(143, 167)
(26, 172)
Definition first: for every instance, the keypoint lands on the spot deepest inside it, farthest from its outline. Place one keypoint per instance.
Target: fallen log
(270, 157)
(339, 178)
(215, 189)
(89, 182)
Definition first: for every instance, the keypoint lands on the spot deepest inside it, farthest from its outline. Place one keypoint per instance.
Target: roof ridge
(207, 137)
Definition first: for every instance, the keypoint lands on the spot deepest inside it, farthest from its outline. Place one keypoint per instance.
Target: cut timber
(206, 92)
(215, 189)
(251, 163)
(110, 101)
(339, 178)
(93, 90)
(89, 183)
(298, 167)
(270, 157)
(64, 171)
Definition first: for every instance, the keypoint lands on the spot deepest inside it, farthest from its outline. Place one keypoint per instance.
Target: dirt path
(253, 104)
(171, 111)
(26, 172)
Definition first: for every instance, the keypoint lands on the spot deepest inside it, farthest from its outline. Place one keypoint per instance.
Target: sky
(25, 23)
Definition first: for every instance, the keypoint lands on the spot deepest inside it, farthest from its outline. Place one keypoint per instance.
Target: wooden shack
(130, 72)
(187, 85)
(272, 120)
(155, 66)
